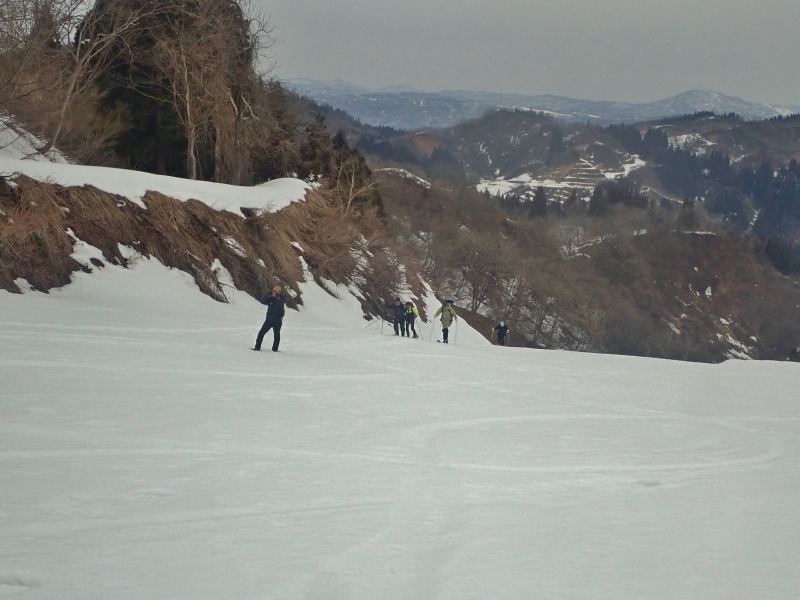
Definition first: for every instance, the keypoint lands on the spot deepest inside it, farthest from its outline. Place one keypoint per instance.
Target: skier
(501, 330)
(398, 312)
(410, 317)
(276, 307)
(448, 316)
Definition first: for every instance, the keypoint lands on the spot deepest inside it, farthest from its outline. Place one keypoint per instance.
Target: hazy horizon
(402, 86)
(637, 51)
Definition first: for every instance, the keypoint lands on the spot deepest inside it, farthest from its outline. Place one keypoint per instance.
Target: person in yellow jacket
(411, 316)
(448, 314)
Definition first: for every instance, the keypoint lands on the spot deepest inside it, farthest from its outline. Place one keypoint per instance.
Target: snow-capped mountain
(708, 101)
(407, 108)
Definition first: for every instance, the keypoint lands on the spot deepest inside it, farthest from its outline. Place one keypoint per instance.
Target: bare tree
(272, 133)
(54, 51)
(31, 34)
(352, 183)
(591, 316)
(484, 265)
(570, 236)
(532, 298)
(206, 58)
(179, 53)
(238, 126)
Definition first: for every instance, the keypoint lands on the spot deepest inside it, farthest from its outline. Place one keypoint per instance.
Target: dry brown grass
(34, 244)
(325, 235)
(258, 251)
(100, 218)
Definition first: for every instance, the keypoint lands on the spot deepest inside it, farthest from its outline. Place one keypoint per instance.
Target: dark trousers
(399, 326)
(409, 327)
(276, 328)
(444, 334)
(501, 341)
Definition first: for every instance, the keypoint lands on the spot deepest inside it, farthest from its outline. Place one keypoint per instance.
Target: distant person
(501, 331)
(448, 314)
(276, 307)
(398, 312)
(410, 318)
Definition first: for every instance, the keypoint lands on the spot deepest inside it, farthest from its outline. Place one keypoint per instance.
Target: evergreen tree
(598, 204)
(538, 209)
(627, 135)
(317, 148)
(556, 147)
(572, 206)
(762, 189)
(687, 218)
(718, 167)
(732, 204)
(655, 144)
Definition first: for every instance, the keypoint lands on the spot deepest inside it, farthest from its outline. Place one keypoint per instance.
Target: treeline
(638, 278)
(440, 164)
(764, 201)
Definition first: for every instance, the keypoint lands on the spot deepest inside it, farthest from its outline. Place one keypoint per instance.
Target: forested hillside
(720, 168)
(616, 212)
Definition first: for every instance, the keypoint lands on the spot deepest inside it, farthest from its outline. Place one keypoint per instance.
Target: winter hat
(397, 299)
(409, 303)
(502, 323)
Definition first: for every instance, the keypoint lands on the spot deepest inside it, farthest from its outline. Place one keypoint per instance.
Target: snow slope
(17, 155)
(146, 452)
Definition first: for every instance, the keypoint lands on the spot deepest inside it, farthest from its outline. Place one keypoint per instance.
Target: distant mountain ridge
(410, 109)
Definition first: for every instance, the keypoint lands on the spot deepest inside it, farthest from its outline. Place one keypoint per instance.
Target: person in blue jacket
(276, 307)
(398, 312)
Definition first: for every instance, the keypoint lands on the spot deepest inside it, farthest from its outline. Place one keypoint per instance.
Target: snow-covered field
(146, 452)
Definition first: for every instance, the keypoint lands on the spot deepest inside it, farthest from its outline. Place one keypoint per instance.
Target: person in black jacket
(501, 331)
(276, 307)
(398, 312)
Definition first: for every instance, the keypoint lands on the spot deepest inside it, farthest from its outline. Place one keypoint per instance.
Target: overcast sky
(625, 50)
